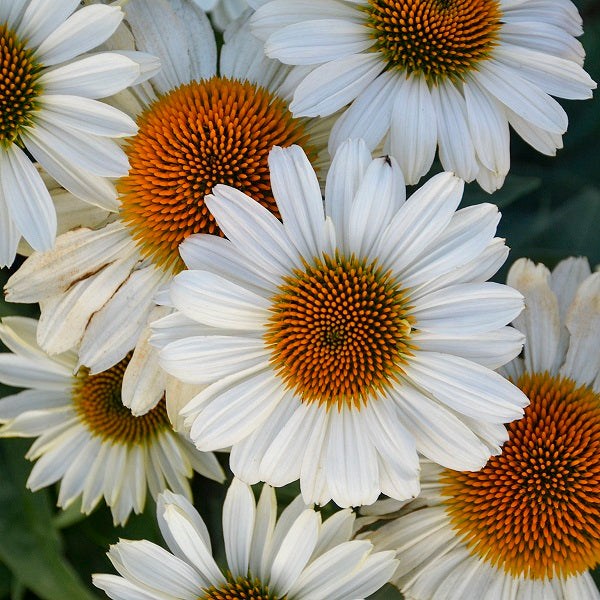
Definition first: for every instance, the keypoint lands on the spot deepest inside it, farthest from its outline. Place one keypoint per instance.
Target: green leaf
(29, 545)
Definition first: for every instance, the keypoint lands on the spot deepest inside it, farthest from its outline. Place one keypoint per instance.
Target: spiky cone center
(19, 86)
(339, 331)
(534, 510)
(438, 39)
(240, 588)
(97, 402)
(189, 140)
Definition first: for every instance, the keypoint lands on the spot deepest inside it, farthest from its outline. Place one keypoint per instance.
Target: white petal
(379, 196)
(202, 360)
(468, 308)
(317, 41)
(97, 155)
(215, 301)
(239, 513)
(466, 387)
(9, 235)
(115, 328)
(97, 76)
(119, 588)
(180, 34)
(351, 466)
(455, 144)
(298, 195)
(42, 17)
(347, 170)
(335, 84)
(540, 139)
(236, 412)
(419, 221)
(27, 198)
(524, 98)
(488, 125)
(540, 320)
(93, 189)
(369, 116)
(414, 135)
(582, 362)
(89, 116)
(18, 371)
(31, 400)
(82, 31)
(295, 551)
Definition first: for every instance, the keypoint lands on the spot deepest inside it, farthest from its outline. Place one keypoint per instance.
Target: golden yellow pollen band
(434, 38)
(97, 401)
(19, 73)
(242, 588)
(340, 331)
(191, 139)
(534, 510)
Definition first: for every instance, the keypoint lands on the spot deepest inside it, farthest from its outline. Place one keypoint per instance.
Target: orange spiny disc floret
(191, 139)
(535, 509)
(434, 38)
(339, 332)
(242, 588)
(97, 401)
(18, 87)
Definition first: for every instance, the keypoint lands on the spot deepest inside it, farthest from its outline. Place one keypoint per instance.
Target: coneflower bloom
(338, 342)
(526, 525)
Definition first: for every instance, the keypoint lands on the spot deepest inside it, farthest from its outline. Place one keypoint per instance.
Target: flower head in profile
(86, 438)
(337, 343)
(49, 111)
(528, 522)
(295, 557)
(197, 128)
(451, 74)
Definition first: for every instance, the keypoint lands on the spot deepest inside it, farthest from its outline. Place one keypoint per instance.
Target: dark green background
(551, 209)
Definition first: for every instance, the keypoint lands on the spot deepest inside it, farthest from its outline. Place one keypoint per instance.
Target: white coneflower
(295, 557)
(86, 438)
(49, 111)
(337, 343)
(450, 74)
(196, 129)
(525, 526)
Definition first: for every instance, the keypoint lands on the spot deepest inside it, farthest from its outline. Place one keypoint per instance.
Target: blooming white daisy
(295, 557)
(338, 343)
(527, 525)
(196, 129)
(49, 111)
(86, 438)
(427, 73)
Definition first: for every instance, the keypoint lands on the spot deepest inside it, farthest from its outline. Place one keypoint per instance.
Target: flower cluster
(234, 283)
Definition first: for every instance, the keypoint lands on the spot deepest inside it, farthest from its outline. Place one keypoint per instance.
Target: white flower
(426, 73)
(338, 344)
(49, 111)
(526, 525)
(86, 438)
(97, 288)
(295, 557)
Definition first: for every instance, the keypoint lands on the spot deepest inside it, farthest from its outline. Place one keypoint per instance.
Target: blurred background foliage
(551, 210)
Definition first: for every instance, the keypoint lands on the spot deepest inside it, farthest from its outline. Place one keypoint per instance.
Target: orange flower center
(242, 588)
(535, 509)
(339, 332)
(97, 401)
(189, 140)
(434, 38)
(18, 88)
